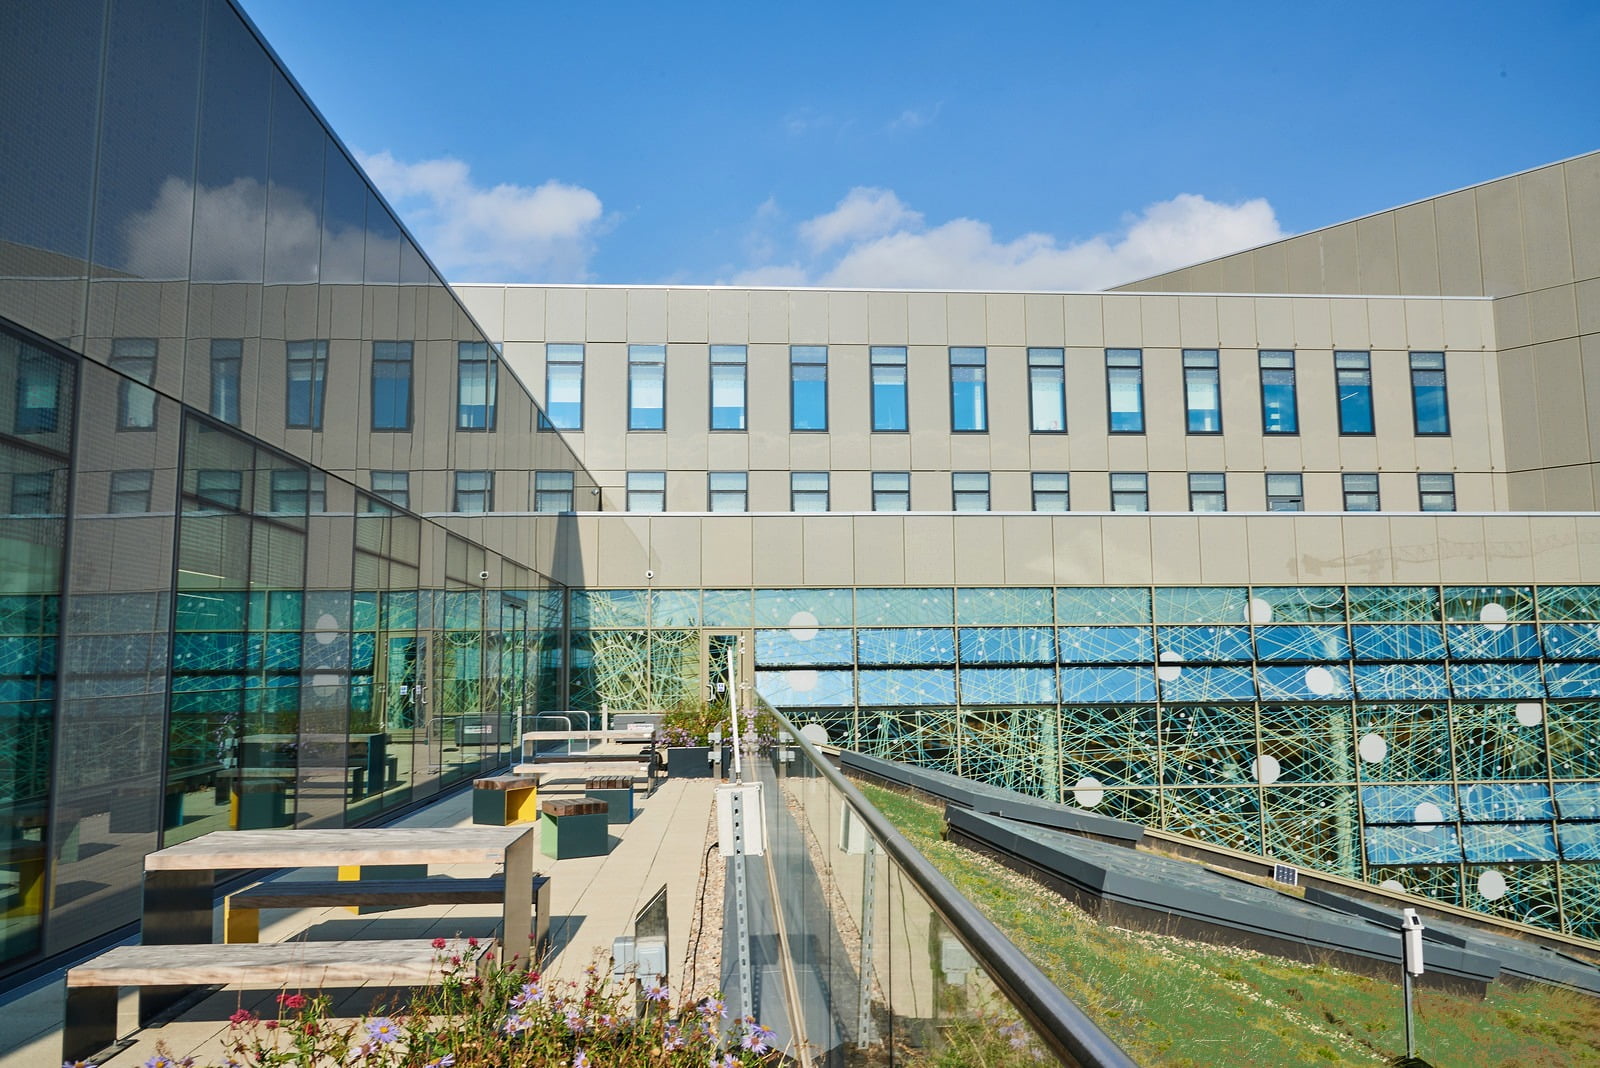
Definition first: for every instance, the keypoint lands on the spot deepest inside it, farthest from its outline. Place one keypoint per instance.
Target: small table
(616, 791)
(501, 800)
(573, 827)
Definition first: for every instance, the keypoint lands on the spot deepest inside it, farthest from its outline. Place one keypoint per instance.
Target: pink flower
(292, 1001)
(438, 943)
(242, 1017)
(473, 942)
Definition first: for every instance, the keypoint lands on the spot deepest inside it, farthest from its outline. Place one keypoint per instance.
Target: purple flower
(657, 992)
(447, 1061)
(757, 1039)
(79, 1064)
(529, 994)
(713, 1007)
(516, 1024)
(574, 1019)
(671, 1038)
(580, 1059)
(728, 1061)
(383, 1030)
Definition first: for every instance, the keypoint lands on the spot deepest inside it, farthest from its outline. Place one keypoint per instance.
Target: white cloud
(506, 232)
(915, 118)
(872, 239)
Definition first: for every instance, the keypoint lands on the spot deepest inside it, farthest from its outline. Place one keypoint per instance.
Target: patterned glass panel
(1008, 747)
(727, 608)
(1579, 841)
(608, 608)
(906, 646)
(1526, 893)
(782, 648)
(1227, 816)
(1577, 800)
(1413, 845)
(1005, 686)
(1316, 644)
(1297, 604)
(1477, 641)
(1007, 645)
(1096, 685)
(1207, 743)
(1572, 680)
(926, 737)
(1409, 804)
(1580, 899)
(1136, 806)
(1496, 680)
(1312, 827)
(1489, 843)
(1384, 604)
(1438, 883)
(908, 686)
(1504, 801)
(1397, 641)
(1107, 747)
(894, 608)
(1209, 684)
(1300, 683)
(675, 608)
(1573, 727)
(802, 608)
(1204, 644)
(1203, 604)
(1111, 605)
(1488, 604)
(1309, 743)
(1402, 743)
(1571, 641)
(1005, 606)
(1500, 741)
(1401, 682)
(1105, 645)
(1569, 602)
(804, 687)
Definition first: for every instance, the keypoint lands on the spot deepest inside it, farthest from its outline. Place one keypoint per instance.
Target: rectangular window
(1208, 492)
(1437, 493)
(647, 387)
(1050, 491)
(888, 387)
(1125, 390)
(728, 387)
(727, 491)
(38, 393)
(130, 491)
(808, 387)
(969, 390)
(1130, 491)
(219, 487)
(1202, 391)
(1429, 404)
(563, 387)
(1280, 411)
(299, 492)
(969, 491)
(477, 383)
(1361, 493)
(1047, 391)
(808, 491)
(391, 385)
(393, 486)
(891, 491)
(474, 491)
(552, 491)
(647, 491)
(135, 358)
(227, 358)
(307, 367)
(1284, 493)
(30, 493)
(1353, 379)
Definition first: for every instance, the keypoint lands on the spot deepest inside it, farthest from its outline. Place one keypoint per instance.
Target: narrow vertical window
(1284, 493)
(1130, 491)
(563, 387)
(477, 383)
(474, 491)
(1429, 404)
(1202, 391)
(808, 491)
(727, 491)
(38, 393)
(647, 387)
(1353, 379)
(135, 358)
(227, 358)
(393, 486)
(31, 493)
(1208, 492)
(888, 387)
(808, 387)
(391, 385)
(1437, 493)
(891, 491)
(1361, 492)
(130, 491)
(969, 390)
(1050, 492)
(307, 369)
(647, 491)
(1280, 410)
(1047, 391)
(728, 387)
(969, 491)
(552, 491)
(1125, 390)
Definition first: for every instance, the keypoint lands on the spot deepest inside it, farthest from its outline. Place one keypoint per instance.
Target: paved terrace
(593, 900)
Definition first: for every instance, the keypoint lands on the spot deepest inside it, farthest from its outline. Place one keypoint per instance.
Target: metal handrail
(1060, 1024)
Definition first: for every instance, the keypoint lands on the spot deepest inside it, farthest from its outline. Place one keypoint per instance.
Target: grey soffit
(1180, 889)
(993, 799)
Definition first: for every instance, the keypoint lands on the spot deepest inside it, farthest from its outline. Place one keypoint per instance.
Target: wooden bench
(241, 910)
(616, 791)
(573, 827)
(90, 1025)
(501, 800)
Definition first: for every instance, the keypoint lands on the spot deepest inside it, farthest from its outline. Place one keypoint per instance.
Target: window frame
(976, 491)
(889, 357)
(119, 493)
(1418, 374)
(644, 363)
(1039, 492)
(1423, 493)
(1347, 491)
(570, 357)
(1198, 366)
(37, 373)
(1277, 498)
(1047, 359)
(312, 354)
(138, 371)
(388, 353)
(1217, 490)
(981, 386)
(1133, 368)
(1292, 429)
(557, 492)
(227, 371)
(635, 492)
(797, 492)
(464, 493)
(739, 492)
(1128, 492)
(1354, 363)
(882, 492)
(807, 356)
(397, 493)
(490, 361)
(743, 366)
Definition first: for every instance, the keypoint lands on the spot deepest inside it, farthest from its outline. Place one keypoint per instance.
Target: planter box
(689, 762)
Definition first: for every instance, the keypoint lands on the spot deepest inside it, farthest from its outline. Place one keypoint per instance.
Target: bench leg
(541, 919)
(240, 923)
(90, 1023)
(177, 911)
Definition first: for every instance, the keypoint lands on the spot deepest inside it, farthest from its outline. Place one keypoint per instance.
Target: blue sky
(1011, 145)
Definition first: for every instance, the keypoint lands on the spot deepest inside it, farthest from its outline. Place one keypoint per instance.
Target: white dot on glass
(1492, 885)
(1493, 616)
(1266, 770)
(802, 680)
(1426, 815)
(327, 629)
(1530, 713)
(1171, 666)
(1372, 748)
(1258, 611)
(1086, 793)
(815, 733)
(324, 682)
(802, 626)
(1392, 884)
(1320, 681)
